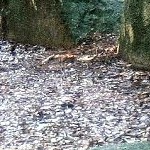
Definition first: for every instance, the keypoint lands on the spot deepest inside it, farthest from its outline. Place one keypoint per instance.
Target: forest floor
(61, 100)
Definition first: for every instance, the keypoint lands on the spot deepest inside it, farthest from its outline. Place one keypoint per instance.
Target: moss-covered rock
(135, 34)
(37, 22)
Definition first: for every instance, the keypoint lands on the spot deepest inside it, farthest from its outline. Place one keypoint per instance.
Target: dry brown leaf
(65, 57)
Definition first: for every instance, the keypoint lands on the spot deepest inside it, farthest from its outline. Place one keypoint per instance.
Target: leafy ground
(71, 100)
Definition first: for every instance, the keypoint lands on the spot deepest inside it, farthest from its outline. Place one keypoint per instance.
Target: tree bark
(3, 18)
(135, 33)
(38, 22)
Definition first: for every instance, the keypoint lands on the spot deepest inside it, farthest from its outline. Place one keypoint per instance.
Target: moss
(38, 22)
(135, 34)
(127, 146)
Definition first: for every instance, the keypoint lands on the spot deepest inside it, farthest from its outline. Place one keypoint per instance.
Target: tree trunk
(135, 33)
(38, 22)
(3, 18)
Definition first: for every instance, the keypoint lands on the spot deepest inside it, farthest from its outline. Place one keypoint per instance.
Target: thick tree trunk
(37, 22)
(135, 33)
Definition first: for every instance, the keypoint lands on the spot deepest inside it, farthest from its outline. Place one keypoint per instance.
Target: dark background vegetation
(87, 16)
(83, 17)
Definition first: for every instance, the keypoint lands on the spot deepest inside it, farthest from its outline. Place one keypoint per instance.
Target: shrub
(87, 16)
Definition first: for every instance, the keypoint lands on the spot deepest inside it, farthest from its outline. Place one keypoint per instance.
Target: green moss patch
(127, 146)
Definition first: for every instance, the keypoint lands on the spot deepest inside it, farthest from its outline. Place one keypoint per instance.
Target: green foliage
(87, 16)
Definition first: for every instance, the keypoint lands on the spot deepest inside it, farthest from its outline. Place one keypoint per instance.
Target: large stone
(37, 22)
(135, 33)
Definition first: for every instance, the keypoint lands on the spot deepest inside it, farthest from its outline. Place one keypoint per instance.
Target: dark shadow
(3, 8)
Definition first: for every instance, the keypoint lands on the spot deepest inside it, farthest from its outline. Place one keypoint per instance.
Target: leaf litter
(71, 99)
